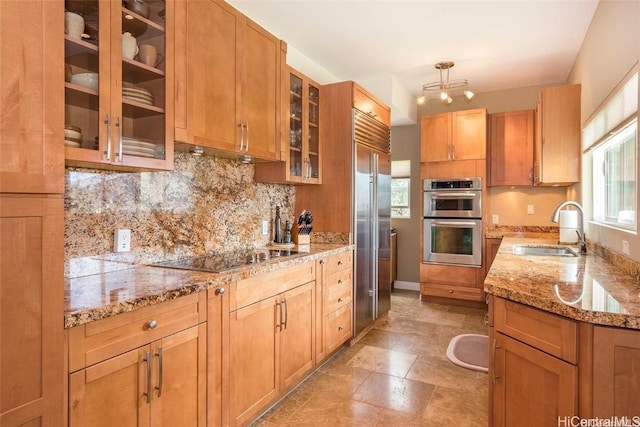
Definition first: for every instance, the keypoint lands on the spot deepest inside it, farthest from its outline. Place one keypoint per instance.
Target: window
(400, 188)
(612, 136)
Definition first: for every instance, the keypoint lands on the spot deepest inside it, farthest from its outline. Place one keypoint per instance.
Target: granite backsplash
(205, 205)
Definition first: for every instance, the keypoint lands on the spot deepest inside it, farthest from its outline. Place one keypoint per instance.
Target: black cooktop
(223, 262)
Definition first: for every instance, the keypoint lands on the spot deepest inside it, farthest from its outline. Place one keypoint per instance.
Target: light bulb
(421, 100)
(449, 100)
(468, 94)
(444, 95)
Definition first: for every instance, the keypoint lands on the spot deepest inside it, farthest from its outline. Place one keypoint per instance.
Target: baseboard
(409, 286)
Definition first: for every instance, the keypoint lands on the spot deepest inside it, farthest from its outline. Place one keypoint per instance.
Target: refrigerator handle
(375, 224)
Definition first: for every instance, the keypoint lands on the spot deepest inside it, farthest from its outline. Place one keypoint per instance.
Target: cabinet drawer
(451, 291)
(374, 108)
(338, 327)
(337, 290)
(337, 262)
(548, 332)
(97, 341)
(266, 285)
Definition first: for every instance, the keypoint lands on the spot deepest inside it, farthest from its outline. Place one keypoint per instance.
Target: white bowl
(88, 80)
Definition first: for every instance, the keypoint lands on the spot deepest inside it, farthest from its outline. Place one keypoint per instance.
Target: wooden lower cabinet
(162, 383)
(616, 372)
(531, 388)
(334, 301)
(450, 281)
(271, 348)
(31, 328)
(144, 367)
(533, 365)
(491, 250)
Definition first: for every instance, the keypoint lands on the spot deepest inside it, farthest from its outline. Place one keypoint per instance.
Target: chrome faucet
(581, 236)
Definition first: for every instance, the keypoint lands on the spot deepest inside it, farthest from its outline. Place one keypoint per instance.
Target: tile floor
(397, 375)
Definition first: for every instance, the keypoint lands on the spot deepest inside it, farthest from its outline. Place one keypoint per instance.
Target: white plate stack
(142, 147)
(137, 94)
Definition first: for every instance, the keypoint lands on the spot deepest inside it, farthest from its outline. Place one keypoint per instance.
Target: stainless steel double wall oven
(452, 221)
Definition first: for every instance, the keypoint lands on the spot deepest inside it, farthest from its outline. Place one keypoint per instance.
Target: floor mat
(470, 351)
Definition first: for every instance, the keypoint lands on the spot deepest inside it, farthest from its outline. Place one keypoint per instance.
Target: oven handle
(450, 195)
(456, 223)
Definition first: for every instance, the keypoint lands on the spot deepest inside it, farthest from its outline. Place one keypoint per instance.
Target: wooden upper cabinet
(301, 147)
(459, 135)
(227, 92)
(31, 129)
(123, 120)
(367, 103)
(557, 136)
(511, 148)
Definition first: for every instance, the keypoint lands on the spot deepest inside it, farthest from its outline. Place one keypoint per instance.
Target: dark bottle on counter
(277, 238)
(287, 231)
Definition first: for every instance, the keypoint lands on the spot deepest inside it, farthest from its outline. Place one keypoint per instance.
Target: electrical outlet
(122, 240)
(265, 227)
(625, 247)
(494, 219)
(530, 210)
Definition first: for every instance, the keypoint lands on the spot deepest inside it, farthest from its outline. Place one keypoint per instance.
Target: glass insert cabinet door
(115, 83)
(304, 132)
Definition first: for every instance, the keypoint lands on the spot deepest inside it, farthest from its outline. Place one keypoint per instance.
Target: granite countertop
(123, 289)
(587, 288)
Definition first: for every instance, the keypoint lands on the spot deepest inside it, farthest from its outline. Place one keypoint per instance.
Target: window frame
(408, 205)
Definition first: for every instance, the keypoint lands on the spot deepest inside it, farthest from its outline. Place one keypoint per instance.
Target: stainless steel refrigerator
(372, 219)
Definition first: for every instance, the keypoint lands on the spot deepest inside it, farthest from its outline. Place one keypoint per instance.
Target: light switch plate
(530, 210)
(265, 227)
(122, 240)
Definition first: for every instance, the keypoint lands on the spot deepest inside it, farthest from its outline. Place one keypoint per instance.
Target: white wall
(610, 49)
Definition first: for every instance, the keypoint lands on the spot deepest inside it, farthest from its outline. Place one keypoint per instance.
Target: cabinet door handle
(321, 262)
(107, 152)
(493, 363)
(119, 153)
(246, 125)
(147, 359)
(286, 312)
(339, 281)
(241, 135)
(339, 262)
(279, 320)
(151, 324)
(453, 151)
(340, 327)
(340, 299)
(159, 387)
(219, 291)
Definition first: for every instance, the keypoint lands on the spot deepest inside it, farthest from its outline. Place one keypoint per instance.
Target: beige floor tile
(441, 372)
(323, 410)
(449, 406)
(380, 338)
(398, 394)
(383, 361)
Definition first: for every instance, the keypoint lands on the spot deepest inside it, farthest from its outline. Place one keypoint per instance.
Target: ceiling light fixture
(445, 88)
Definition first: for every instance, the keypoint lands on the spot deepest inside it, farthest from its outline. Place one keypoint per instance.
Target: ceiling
(495, 45)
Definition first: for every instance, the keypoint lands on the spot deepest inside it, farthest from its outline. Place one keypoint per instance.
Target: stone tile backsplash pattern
(205, 205)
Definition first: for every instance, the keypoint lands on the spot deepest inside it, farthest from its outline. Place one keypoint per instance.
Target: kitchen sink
(544, 250)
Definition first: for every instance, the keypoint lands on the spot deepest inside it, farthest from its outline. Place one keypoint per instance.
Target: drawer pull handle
(340, 299)
(450, 291)
(151, 324)
(219, 291)
(339, 262)
(340, 327)
(321, 262)
(339, 281)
